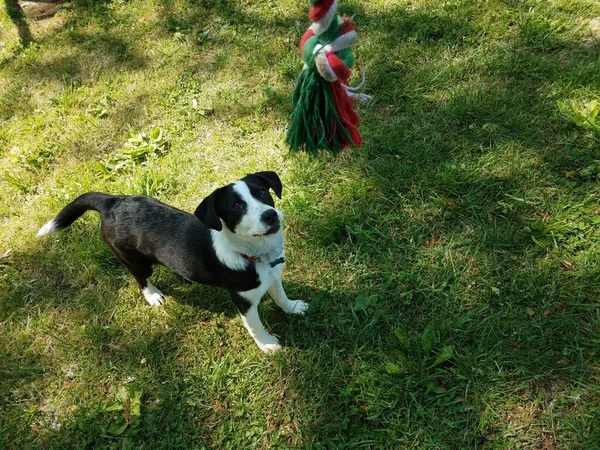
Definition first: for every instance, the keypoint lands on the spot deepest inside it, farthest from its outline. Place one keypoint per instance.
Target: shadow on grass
(428, 147)
(339, 372)
(450, 98)
(17, 16)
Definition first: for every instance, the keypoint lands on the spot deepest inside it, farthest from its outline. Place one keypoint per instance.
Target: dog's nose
(270, 217)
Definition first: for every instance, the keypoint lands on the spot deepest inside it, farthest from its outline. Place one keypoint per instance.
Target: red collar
(258, 259)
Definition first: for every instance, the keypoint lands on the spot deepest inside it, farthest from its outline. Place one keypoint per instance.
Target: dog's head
(245, 207)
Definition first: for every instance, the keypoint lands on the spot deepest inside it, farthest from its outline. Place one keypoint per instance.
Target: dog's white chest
(267, 274)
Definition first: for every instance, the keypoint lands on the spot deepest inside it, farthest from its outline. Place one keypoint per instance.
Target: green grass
(451, 263)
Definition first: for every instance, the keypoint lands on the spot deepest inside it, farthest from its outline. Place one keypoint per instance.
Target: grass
(451, 263)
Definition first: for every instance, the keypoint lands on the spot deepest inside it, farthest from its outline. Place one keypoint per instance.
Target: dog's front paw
(297, 307)
(268, 344)
(155, 299)
(153, 295)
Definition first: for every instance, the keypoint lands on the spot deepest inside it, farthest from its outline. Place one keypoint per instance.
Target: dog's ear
(272, 179)
(207, 212)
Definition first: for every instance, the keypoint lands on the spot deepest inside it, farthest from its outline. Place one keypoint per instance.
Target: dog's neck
(233, 250)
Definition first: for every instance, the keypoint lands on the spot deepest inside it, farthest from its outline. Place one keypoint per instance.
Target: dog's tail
(74, 210)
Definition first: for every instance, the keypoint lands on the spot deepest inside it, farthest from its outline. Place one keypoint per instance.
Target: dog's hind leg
(153, 295)
(141, 268)
(141, 271)
(247, 304)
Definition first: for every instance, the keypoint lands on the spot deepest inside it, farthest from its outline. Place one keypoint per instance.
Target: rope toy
(323, 115)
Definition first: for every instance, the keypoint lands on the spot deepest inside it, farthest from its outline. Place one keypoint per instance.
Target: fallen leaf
(363, 302)
(114, 407)
(435, 388)
(117, 428)
(566, 264)
(136, 401)
(427, 340)
(403, 338)
(392, 368)
(446, 353)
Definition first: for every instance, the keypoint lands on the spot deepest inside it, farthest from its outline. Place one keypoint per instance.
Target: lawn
(451, 263)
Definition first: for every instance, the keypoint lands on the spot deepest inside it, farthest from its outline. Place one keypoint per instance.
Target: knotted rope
(323, 115)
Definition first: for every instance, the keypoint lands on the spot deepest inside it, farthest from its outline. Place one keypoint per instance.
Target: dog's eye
(237, 205)
(262, 192)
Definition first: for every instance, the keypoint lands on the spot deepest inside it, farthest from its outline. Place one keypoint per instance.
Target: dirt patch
(591, 29)
(40, 9)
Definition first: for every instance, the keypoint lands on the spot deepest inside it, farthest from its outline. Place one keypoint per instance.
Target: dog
(234, 240)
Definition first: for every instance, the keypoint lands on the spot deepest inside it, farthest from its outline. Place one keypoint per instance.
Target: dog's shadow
(213, 301)
(209, 301)
(79, 269)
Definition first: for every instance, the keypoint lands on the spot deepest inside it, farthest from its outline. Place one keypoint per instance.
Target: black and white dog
(233, 240)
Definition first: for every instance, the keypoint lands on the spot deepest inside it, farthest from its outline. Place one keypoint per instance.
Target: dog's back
(141, 230)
